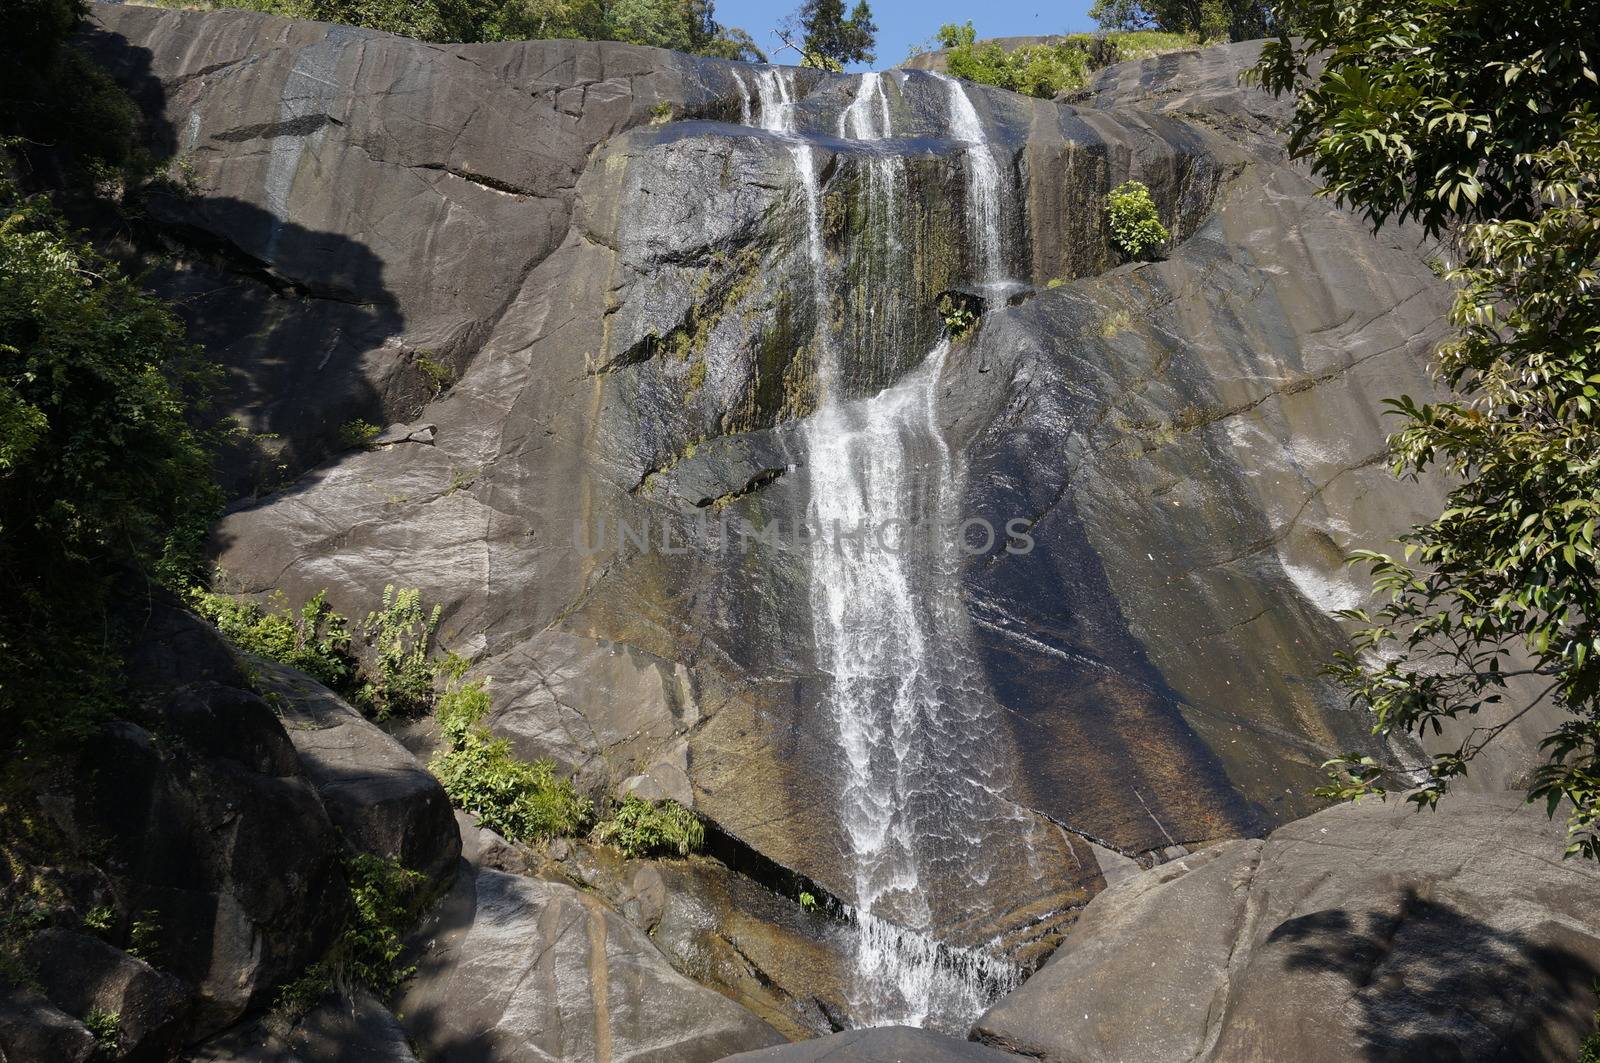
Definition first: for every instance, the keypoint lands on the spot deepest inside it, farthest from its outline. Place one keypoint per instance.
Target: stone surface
(82, 974)
(623, 297)
(1366, 932)
(517, 970)
(377, 794)
(202, 820)
(355, 1029)
(886, 1044)
(31, 1028)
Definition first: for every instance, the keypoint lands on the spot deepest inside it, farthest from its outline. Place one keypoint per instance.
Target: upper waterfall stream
(922, 786)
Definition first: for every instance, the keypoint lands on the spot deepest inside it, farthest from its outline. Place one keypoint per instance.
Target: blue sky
(902, 23)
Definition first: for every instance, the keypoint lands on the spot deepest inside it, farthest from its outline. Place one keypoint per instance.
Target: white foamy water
(920, 780)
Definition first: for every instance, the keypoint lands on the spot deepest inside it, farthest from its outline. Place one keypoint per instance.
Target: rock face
(378, 796)
(520, 970)
(884, 1044)
(1366, 932)
(642, 275)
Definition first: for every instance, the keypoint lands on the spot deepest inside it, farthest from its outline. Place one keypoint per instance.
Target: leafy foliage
(1135, 223)
(683, 25)
(1239, 20)
(1042, 70)
(644, 828)
(400, 678)
(315, 639)
(828, 39)
(358, 434)
(1480, 121)
(106, 1026)
(521, 800)
(960, 314)
(384, 900)
(101, 473)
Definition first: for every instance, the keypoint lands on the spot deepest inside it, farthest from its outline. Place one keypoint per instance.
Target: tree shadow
(1433, 983)
(293, 315)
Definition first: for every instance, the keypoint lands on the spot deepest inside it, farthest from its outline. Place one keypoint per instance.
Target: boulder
(884, 1044)
(1366, 932)
(33, 1029)
(379, 797)
(520, 970)
(82, 974)
(354, 1029)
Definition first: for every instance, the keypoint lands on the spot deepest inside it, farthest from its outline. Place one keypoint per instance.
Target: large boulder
(341, 1029)
(85, 975)
(520, 970)
(1367, 932)
(382, 801)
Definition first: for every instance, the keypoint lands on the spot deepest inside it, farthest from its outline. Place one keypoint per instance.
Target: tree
(1481, 122)
(1238, 20)
(828, 39)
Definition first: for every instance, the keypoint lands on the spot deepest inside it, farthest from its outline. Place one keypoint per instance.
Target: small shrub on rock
(1135, 223)
(400, 681)
(315, 640)
(522, 800)
(645, 828)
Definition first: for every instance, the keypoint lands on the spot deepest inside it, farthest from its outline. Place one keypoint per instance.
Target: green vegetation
(357, 434)
(101, 473)
(808, 901)
(400, 679)
(645, 828)
(826, 38)
(1135, 223)
(315, 639)
(384, 901)
(1207, 20)
(106, 1027)
(683, 25)
(522, 801)
(960, 315)
(1480, 122)
(1042, 70)
(437, 373)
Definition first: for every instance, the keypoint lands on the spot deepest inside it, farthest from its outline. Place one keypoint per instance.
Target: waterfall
(983, 178)
(919, 787)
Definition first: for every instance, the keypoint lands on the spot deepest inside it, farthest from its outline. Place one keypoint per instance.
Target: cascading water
(921, 790)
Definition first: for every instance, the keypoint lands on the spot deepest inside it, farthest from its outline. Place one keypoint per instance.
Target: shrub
(400, 679)
(521, 800)
(358, 434)
(384, 901)
(1043, 70)
(101, 472)
(439, 375)
(643, 828)
(106, 1027)
(315, 640)
(1135, 224)
(960, 314)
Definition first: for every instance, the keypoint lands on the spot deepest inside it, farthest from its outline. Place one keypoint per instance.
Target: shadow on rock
(1431, 982)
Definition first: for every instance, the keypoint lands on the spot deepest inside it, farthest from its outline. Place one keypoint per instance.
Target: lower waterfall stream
(921, 786)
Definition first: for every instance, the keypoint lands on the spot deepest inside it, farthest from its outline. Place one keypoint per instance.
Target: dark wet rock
(354, 1029)
(1368, 932)
(519, 969)
(82, 974)
(376, 793)
(886, 1044)
(32, 1028)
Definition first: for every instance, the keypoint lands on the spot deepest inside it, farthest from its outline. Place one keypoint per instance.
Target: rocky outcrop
(353, 1029)
(378, 796)
(884, 1044)
(519, 970)
(615, 268)
(1368, 931)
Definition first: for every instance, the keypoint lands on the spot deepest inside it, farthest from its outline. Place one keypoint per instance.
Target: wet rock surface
(888, 1044)
(1367, 931)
